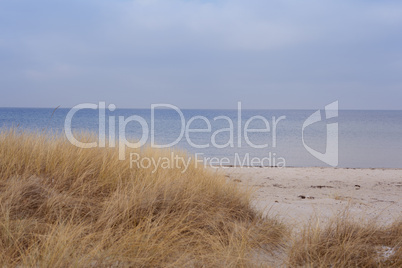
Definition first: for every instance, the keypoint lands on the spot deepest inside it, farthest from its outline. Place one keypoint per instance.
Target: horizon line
(141, 108)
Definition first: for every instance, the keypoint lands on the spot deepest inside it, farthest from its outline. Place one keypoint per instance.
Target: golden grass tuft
(65, 206)
(344, 241)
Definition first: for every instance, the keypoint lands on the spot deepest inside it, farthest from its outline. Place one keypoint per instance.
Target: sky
(284, 54)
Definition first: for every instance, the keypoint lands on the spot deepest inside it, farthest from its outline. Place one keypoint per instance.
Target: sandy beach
(87, 208)
(299, 194)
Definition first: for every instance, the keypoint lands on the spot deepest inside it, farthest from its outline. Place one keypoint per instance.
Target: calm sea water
(367, 139)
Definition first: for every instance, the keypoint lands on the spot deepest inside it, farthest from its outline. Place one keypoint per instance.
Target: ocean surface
(365, 139)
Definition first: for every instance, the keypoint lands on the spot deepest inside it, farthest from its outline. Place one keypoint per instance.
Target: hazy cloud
(202, 54)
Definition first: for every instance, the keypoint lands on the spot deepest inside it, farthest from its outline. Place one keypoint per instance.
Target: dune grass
(345, 241)
(65, 206)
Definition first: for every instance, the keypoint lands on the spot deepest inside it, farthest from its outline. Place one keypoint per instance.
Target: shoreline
(299, 194)
(318, 167)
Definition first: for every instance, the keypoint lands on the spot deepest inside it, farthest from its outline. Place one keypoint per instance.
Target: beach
(87, 208)
(299, 194)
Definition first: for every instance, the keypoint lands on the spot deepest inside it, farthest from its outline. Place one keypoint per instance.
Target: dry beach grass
(344, 241)
(65, 206)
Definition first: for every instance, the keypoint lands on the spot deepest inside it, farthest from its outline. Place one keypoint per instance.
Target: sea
(238, 137)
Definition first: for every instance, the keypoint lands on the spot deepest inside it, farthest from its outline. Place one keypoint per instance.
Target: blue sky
(201, 54)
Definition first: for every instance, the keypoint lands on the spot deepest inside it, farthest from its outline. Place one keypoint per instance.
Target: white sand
(276, 191)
